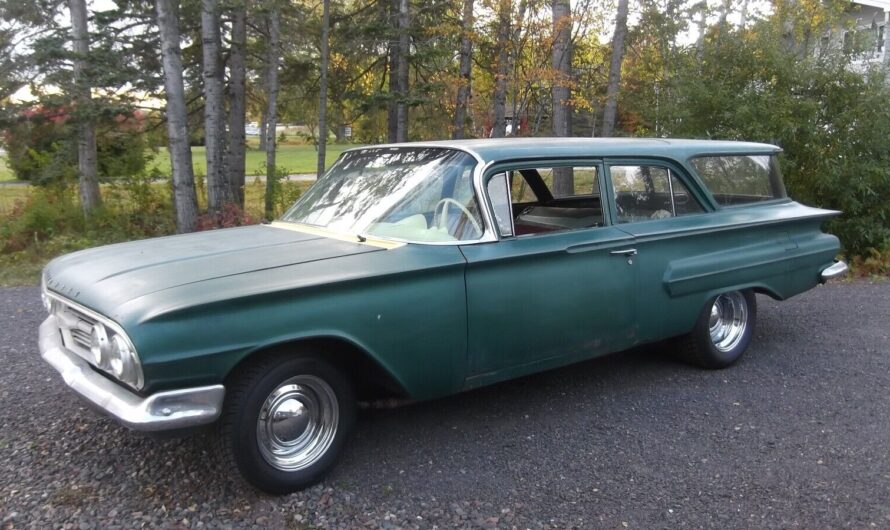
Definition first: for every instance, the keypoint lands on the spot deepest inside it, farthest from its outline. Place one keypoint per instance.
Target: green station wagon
(419, 270)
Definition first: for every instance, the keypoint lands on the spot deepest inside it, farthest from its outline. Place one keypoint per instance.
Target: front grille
(75, 326)
(81, 338)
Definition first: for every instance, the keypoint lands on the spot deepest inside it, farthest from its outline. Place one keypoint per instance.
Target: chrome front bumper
(174, 409)
(833, 271)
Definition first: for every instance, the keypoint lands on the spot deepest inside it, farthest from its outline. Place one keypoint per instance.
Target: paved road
(796, 435)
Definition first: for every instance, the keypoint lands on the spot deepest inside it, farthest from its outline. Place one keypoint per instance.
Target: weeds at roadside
(41, 223)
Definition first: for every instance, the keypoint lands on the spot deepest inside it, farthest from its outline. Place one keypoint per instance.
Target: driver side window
(545, 198)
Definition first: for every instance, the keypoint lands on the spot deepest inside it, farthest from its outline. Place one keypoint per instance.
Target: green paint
(445, 318)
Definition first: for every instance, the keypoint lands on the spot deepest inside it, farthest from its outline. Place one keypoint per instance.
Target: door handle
(624, 252)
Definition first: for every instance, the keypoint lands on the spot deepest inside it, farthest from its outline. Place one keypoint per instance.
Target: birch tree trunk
(218, 191)
(611, 108)
(272, 61)
(404, 51)
(392, 113)
(263, 122)
(323, 92)
(702, 24)
(515, 51)
(88, 174)
(237, 103)
(563, 178)
(185, 201)
(499, 128)
(725, 8)
(562, 67)
(465, 72)
(887, 39)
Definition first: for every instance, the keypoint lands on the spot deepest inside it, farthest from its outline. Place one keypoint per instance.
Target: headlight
(124, 363)
(100, 346)
(114, 354)
(47, 301)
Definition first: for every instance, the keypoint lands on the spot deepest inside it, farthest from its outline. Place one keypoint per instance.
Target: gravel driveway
(796, 435)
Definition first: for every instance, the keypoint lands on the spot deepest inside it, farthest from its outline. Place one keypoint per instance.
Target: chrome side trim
(174, 409)
(831, 272)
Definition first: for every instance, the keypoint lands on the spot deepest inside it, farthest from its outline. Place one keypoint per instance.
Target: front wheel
(722, 332)
(285, 421)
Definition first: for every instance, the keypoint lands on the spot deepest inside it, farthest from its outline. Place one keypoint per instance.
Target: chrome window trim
(490, 206)
(107, 322)
(671, 191)
(488, 215)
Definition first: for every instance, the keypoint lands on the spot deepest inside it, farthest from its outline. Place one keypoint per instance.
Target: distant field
(293, 158)
(254, 196)
(5, 173)
(8, 197)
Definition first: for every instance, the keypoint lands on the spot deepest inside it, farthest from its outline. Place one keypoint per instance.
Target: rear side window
(649, 192)
(740, 179)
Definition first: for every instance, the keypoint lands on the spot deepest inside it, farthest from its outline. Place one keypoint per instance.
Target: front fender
(406, 310)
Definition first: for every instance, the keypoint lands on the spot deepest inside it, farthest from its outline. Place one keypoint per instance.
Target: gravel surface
(796, 435)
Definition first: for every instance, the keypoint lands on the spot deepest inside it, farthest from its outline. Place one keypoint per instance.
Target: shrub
(231, 215)
(42, 148)
(833, 124)
(51, 218)
(47, 212)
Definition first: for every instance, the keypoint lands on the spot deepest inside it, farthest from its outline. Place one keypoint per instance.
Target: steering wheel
(443, 219)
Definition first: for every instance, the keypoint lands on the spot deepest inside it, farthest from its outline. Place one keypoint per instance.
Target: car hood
(106, 277)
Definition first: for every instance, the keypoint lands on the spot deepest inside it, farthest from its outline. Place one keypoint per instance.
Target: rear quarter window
(740, 179)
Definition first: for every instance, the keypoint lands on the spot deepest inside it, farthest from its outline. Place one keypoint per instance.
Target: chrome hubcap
(728, 321)
(297, 423)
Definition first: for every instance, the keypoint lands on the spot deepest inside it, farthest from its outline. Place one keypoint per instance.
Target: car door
(655, 202)
(546, 298)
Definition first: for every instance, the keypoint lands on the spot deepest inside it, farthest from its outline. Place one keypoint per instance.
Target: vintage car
(419, 270)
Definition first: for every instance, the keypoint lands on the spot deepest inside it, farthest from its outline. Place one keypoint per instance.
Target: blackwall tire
(285, 421)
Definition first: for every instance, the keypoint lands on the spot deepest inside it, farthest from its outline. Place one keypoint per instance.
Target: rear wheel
(722, 332)
(285, 421)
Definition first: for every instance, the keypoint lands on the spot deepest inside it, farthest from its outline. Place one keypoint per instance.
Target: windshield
(420, 194)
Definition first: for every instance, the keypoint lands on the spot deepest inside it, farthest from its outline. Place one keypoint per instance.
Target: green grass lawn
(293, 158)
(8, 197)
(5, 173)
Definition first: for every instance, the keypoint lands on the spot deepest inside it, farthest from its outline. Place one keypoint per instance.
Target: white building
(868, 26)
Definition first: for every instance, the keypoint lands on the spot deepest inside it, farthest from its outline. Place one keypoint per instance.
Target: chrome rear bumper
(833, 271)
(174, 409)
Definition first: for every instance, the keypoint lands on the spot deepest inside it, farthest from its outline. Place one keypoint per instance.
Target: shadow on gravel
(456, 429)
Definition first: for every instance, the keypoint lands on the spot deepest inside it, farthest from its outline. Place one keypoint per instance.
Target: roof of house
(884, 4)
